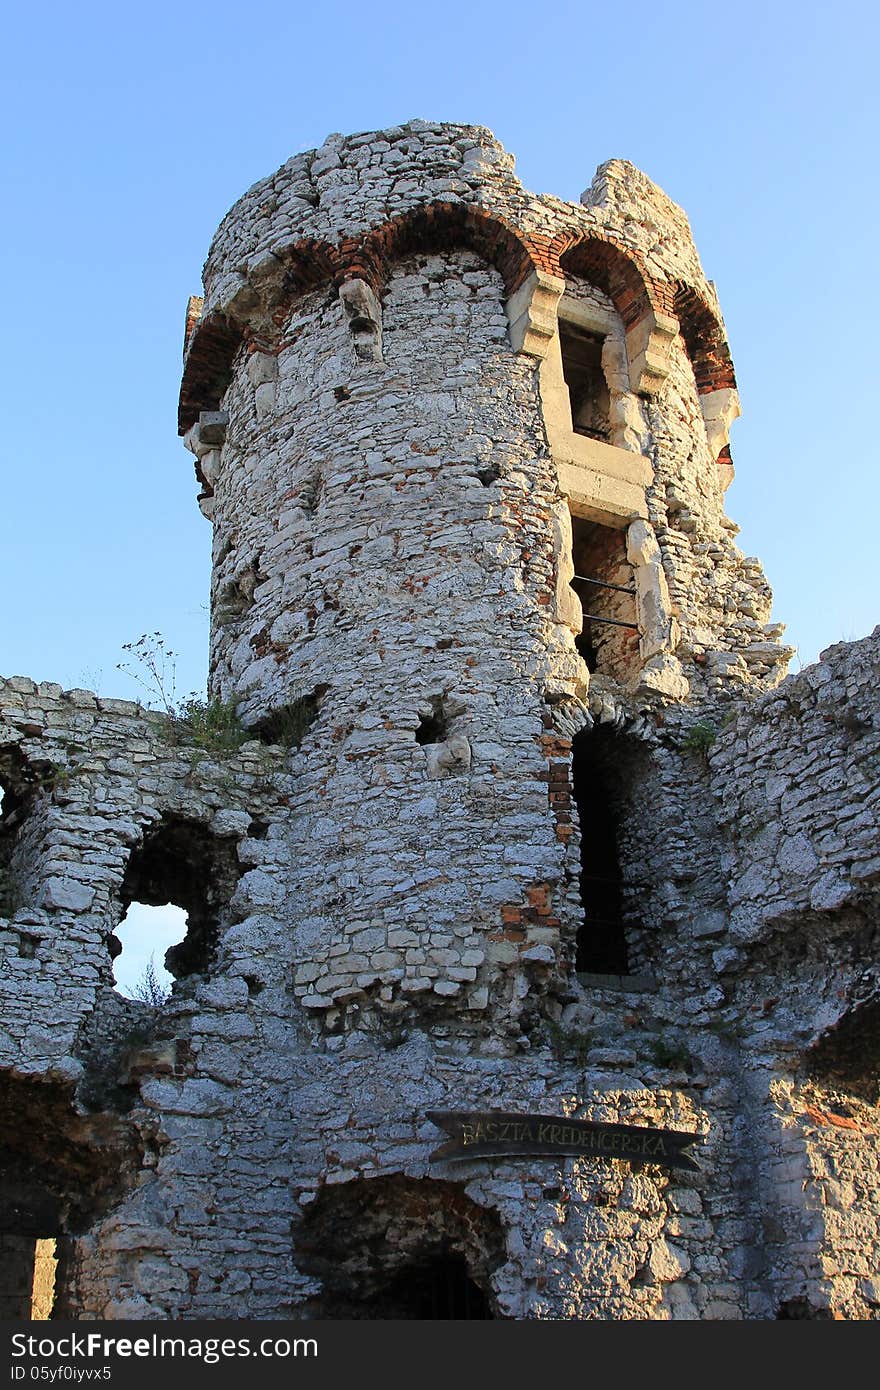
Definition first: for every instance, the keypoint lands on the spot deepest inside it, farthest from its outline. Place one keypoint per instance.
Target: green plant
(700, 737)
(569, 1044)
(211, 725)
(672, 1055)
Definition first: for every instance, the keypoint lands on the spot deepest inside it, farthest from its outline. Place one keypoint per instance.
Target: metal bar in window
(603, 584)
(614, 622)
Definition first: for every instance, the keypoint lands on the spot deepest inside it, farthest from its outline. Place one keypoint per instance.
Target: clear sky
(129, 130)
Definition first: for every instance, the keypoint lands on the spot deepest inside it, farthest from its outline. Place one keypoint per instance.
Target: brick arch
(438, 227)
(212, 342)
(704, 339)
(616, 272)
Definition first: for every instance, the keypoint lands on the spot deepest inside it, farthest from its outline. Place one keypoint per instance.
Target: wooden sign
(497, 1134)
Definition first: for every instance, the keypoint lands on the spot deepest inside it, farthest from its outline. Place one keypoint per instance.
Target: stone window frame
(600, 482)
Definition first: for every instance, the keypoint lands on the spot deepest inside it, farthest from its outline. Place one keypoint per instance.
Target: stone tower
(527, 823)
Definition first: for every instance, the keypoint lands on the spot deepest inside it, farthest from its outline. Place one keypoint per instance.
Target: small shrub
(209, 724)
(212, 725)
(568, 1044)
(149, 989)
(670, 1055)
(700, 737)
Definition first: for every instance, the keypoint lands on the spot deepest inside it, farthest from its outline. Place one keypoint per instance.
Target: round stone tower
(527, 970)
(464, 450)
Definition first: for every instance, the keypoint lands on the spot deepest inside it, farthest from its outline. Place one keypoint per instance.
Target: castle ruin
(529, 823)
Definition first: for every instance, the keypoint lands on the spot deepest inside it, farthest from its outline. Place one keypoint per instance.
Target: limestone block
(213, 425)
(264, 400)
(641, 544)
(663, 674)
(364, 314)
(67, 895)
(600, 497)
(648, 346)
(538, 954)
(831, 892)
(720, 409)
(568, 605)
(449, 758)
(262, 367)
(667, 1262)
(531, 313)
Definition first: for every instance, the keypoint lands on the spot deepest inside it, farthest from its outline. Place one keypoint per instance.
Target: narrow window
(585, 379)
(601, 941)
(609, 640)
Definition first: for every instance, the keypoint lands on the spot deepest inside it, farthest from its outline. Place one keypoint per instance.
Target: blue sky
(130, 130)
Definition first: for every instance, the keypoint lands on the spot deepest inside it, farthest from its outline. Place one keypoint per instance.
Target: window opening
(432, 722)
(19, 788)
(603, 581)
(147, 934)
(585, 378)
(181, 862)
(601, 940)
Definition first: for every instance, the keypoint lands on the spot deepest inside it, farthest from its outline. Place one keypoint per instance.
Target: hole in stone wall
(604, 583)
(310, 494)
(181, 862)
(585, 379)
(146, 935)
(432, 722)
(400, 1248)
(27, 1277)
(60, 1170)
(848, 1055)
(236, 596)
(801, 1310)
(601, 940)
(288, 724)
(440, 1288)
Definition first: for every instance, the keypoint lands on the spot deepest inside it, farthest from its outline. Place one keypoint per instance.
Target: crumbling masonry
(554, 836)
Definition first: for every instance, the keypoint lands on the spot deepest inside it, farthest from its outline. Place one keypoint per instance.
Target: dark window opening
(181, 862)
(801, 1310)
(400, 1248)
(61, 1169)
(605, 585)
(432, 722)
(601, 940)
(287, 725)
(440, 1288)
(847, 1056)
(585, 379)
